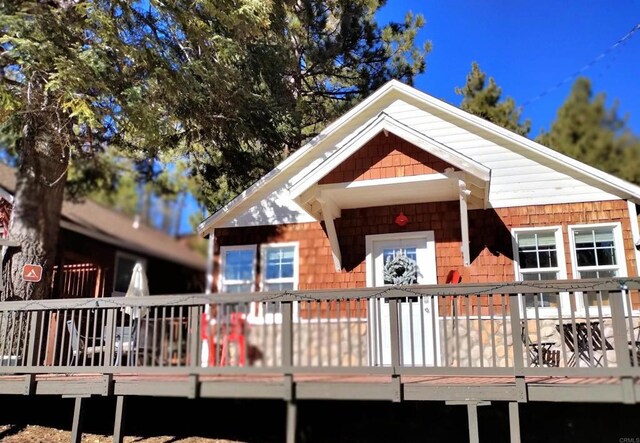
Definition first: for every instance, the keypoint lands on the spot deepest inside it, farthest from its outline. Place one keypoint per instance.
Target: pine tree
(483, 100)
(147, 81)
(586, 130)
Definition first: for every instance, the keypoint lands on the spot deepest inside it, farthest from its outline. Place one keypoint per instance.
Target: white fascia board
(214, 219)
(6, 195)
(629, 190)
(384, 122)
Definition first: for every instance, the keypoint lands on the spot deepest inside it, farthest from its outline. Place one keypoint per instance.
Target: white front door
(417, 315)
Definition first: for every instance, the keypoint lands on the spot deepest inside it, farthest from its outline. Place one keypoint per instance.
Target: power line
(571, 77)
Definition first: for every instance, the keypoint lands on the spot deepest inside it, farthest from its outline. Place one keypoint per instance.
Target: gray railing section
(467, 329)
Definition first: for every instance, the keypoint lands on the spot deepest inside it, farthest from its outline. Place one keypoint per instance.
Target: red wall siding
(489, 230)
(386, 157)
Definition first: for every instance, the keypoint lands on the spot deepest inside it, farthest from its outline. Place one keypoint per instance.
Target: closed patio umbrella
(138, 287)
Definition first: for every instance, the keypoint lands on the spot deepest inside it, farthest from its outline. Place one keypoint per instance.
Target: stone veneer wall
(463, 343)
(315, 344)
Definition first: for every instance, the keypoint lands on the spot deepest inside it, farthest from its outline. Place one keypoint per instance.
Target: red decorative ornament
(401, 219)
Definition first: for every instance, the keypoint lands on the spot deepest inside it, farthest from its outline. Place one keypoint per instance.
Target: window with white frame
(237, 268)
(540, 256)
(279, 270)
(597, 252)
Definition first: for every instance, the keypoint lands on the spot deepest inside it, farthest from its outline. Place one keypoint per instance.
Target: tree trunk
(35, 221)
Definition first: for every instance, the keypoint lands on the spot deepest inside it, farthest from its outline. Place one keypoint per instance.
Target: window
(237, 268)
(597, 252)
(540, 256)
(124, 270)
(279, 270)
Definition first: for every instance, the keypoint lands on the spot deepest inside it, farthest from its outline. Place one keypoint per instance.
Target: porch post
(118, 424)
(76, 427)
(292, 416)
(514, 422)
(464, 222)
(472, 413)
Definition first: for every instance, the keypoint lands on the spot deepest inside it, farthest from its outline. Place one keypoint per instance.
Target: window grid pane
(537, 250)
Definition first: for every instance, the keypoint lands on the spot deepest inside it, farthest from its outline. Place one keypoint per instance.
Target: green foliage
(483, 100)
(227, 87)
(587, 131)
(338, 54)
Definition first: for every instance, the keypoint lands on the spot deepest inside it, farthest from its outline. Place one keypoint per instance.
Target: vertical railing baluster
(605, 359)
(287, 338)
(456, 327)
(445, 326)
(492, 328)
(467, 299)
(632, 340)
(503, 308)
(433, 304)
(561, 332)
(587, 318)
(480, 338)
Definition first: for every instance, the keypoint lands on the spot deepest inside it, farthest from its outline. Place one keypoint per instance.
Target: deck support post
(514, 422)
(76, 427)
(118, 424)
(292, 419)
(472, 413)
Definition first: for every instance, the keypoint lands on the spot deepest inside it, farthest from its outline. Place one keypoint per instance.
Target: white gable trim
(384, 122)
(611, 182)
(6, 195)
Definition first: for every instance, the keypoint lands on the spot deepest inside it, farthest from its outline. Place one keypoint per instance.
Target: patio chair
(79, 343)
(540, 353)
(585, 342)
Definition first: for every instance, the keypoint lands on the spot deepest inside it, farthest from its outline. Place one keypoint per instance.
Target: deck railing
(586, 327)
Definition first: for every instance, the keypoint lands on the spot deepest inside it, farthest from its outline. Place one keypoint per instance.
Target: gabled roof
(384, 122)
(98, 222)
(317, 153)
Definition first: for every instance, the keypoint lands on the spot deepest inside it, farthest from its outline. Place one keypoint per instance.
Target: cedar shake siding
(489, 231)
(386, 157)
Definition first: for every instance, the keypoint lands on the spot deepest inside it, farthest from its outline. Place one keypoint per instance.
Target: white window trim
(257, 314)
(543, 312)
(618, 242)
(121, 254)
(221, 281)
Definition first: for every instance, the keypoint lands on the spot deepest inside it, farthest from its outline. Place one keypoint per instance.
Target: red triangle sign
(32, 273)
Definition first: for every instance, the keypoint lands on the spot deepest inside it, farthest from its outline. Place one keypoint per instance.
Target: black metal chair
(540, 353)
(585, 342)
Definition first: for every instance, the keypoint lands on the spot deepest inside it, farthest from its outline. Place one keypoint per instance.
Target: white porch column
(464, 222)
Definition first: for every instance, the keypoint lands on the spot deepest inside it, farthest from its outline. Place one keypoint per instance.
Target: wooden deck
(327, 386)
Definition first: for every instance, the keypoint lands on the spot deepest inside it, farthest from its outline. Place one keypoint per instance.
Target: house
(405, 188)
(98, 248)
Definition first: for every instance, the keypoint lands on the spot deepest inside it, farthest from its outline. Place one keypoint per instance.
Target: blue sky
(530, 47)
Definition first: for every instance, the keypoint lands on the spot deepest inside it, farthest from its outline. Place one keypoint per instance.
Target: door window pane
(394, 272)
